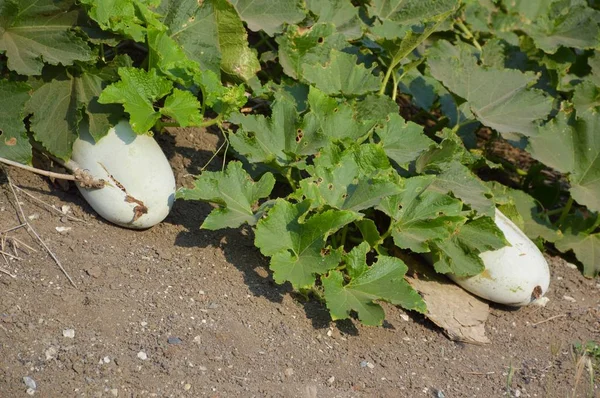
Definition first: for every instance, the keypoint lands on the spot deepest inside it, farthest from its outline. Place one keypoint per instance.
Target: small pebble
(63, 229)
(30, 391)
(213, 306)
(197, 339)
(366, 364)
(29, 382)
(569, 298)
(142, 355)
(329, 332)
(69, 333)
(51, 353)
(440, 394)
(174, 340)
(404, 317)
(517, 393)
(569, 265)
(114, 392)
(144, 324)
(187, 387)
(288, 372)
(203, 368)
(106, 359)
(541, 302)
(331, 380)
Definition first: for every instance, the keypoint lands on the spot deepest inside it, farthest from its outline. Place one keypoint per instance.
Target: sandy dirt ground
(175, 311)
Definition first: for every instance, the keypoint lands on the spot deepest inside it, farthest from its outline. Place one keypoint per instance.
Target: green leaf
(184, 107)
(55, 118)
(137, 91)
(384, 280)
(340, 13)
(59, 105)
(586, 97)
(369, 231)
(166, 55)
(297, 243)
(299, 47)
(337, 120)
(194, 27)
(269, 15)
(572, 146)
(586, 248)
(594, 63)
(459, 254)
(459, 180)
(341, 75)
(578, 237)
(355, 260)
(34, 32)
(212, 34)
(535, 224)
(235, 193)
(126, 17)
(499, 98)
(403, 141)
(420, 215)
(277, 139)
(410, 12)
(14, 143)
(575, 27)
(100, 117)
(355, 182)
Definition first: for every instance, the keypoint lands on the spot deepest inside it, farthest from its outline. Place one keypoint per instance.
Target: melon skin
(140, 189)
(514, 275)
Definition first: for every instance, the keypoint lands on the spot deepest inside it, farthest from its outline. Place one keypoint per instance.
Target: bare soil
(206, 313)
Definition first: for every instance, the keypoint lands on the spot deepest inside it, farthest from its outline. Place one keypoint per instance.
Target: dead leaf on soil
(460, 314)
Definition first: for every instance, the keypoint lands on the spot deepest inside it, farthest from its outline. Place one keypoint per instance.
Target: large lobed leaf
(235, 193)
(212, 34)
(341, 75)
(14, 143)
(269, 15)
(384, 280)
(59, 105)
(499, 98)
(296, 242)
(34, 32)
(358, 179)
(572, 145)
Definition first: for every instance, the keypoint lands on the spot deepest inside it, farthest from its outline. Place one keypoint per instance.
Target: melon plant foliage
(355, 128)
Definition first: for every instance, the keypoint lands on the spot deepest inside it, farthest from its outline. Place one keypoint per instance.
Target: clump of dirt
(176, 311)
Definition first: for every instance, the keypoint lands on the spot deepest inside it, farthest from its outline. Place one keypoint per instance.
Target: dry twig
(548, 319)
(23, 219)
(49, 206)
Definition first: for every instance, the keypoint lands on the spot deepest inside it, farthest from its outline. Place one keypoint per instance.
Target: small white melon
(140, 188)
(515, 275)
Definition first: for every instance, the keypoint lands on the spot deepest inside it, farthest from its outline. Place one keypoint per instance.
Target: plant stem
(290, 179)
(565, 212)
(388, 73)
(46, 173)
(591, 229)
(468, 34)
(395, 89)
(344, 233)
(211, 122)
